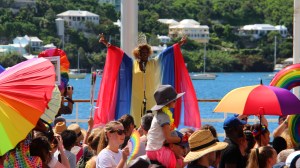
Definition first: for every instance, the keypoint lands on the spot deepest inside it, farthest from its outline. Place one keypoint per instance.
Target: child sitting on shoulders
(161, 127)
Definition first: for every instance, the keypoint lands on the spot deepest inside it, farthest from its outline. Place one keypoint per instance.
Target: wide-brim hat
(60, 127)
(79, 131)
(164, 95)
(201, 143)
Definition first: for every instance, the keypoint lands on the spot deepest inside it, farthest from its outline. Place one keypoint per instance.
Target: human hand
(103, 40)
(59, 142)
(182, 41)
(125, 152)
(70, 91)
(243, 117)
(140, 130)
(40, 126)
(90, 123)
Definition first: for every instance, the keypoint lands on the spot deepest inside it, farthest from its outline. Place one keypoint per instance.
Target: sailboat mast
(204, 59)
(275, 51)
(77, 60)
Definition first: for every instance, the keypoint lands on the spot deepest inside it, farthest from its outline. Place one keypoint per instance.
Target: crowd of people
(59, 145)
(161, 145)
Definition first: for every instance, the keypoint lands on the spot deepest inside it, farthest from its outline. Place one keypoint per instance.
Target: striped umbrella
(25, 90)
(259, 100)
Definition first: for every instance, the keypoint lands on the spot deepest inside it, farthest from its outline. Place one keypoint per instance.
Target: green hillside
(226, 51)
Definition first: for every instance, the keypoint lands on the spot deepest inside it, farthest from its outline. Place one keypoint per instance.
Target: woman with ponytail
(111, 137)
(262, 157)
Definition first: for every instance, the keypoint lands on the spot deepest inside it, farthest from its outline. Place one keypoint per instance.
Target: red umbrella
(64, 62)
(25, 90)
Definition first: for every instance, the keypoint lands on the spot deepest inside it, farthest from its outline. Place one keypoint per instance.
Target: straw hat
(79, 132)
(201, 143)
(164, 95)
(60, 127)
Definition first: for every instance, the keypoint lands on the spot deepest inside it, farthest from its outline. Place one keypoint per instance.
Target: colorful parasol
(287, 78)
(259, 100)
(64, 62)
(134, 143)
(53, 106)
(294, 128)
(25, 90)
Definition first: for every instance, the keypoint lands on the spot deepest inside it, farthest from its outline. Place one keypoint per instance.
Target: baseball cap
(233, 122)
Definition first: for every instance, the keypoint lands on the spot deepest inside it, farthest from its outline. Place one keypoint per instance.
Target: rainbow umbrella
(64, 62)
(287, 78)
(259, 100)
(53, 106)
(25, 90)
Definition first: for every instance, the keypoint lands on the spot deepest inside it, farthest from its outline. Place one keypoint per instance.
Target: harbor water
(205, 89)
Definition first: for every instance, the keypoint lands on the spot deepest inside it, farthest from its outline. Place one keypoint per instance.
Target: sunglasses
(118, 131)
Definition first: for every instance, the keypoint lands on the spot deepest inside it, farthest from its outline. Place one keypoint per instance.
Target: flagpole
(92, 91)
(296, 39)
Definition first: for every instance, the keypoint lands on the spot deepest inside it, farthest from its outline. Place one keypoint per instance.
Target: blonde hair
(94, 138)
(103, 135)
(258, 156)
(136, 51)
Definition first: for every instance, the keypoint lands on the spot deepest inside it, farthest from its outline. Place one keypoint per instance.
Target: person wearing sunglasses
(111, 137)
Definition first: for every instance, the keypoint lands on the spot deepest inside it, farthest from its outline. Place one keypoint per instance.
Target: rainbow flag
(122, 86)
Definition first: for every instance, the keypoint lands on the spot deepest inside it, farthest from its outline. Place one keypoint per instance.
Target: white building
(10, 48)
(76, 19)
(169, 22)
(34, 42)
(163, 39)
(192, 29)
(258, 30)
(157, 49)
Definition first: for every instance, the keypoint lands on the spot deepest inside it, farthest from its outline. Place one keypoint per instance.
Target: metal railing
(206, 120)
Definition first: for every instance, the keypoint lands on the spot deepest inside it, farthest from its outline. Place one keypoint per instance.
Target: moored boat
(77, 73)
(202, 76)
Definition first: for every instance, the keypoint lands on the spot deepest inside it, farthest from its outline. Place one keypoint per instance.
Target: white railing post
(77, 112)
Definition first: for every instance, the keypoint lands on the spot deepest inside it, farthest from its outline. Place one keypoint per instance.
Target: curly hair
(136, 51)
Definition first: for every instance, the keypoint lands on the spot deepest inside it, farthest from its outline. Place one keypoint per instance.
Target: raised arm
(182, 41)
(103, 40)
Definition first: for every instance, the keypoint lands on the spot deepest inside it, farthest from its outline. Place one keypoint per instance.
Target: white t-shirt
(155, 136)
(107, 158)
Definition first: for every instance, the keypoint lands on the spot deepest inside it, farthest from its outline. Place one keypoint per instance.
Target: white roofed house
(34, 43)
(169, 22)
(256, 31)
(192, 29)
(77, 19)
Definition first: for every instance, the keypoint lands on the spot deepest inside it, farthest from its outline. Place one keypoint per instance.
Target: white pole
(204, 59)
(129, 25)
(296, 39)
(275, 51)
